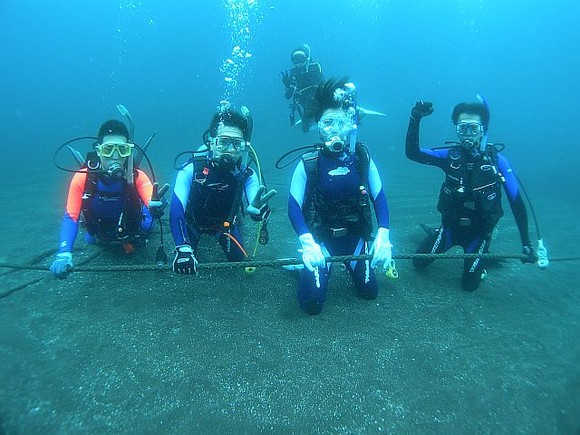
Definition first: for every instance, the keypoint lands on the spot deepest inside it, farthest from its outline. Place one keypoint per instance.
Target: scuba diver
(210, 188)
(470, 197)
(331, 194)
(300, 84)
(115, 199)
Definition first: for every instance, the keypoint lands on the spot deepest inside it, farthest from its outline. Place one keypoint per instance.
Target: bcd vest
(215, 197)
(111, 214)
(324, 217)
(471, 192)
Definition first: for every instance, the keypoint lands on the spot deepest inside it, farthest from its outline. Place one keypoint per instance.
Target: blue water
(233, 354)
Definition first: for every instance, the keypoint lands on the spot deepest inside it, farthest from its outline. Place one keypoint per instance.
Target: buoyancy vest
(216, 195)
(112, 209)
(471, 192)
(325, 217)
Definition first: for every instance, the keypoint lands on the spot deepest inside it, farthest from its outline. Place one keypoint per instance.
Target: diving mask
(109, 148)
(227, 151)
(335, 125)
(468, 129)
(333, 130)
(227, 144)
(470, 134)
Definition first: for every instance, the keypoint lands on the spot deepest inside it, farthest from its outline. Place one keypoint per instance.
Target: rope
(274, 263)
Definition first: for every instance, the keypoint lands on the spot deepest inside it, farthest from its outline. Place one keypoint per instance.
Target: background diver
(300, 84)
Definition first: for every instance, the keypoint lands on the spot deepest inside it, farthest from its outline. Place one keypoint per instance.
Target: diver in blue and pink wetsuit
(116, 205)
(470, 197)
(331, 194)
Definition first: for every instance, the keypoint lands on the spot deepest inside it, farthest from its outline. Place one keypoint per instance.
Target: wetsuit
(101, 201)
(302, 91)
(336, 186)
(207, 200)
(469, 201)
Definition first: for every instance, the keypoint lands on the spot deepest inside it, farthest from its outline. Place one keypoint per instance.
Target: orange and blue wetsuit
(112, 209)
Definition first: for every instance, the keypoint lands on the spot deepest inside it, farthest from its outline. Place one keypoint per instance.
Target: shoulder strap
(362, 161)
(238, 195)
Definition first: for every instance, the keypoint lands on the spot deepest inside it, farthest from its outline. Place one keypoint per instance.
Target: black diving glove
(184, 261)
(529, 253)
(158, 201)
(259, 209)
(422, 109)
(287, 79)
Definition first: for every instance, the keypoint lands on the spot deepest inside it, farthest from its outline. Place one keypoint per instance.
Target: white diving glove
(312, 255)
(381, 250)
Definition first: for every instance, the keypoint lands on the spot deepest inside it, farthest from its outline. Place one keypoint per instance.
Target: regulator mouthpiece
(116, 171)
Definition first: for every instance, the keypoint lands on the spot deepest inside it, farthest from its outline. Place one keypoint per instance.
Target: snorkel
(483, 143)
(248, 136)
(130, 163)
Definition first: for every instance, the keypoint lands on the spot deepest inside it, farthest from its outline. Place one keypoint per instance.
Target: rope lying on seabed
(275, 263)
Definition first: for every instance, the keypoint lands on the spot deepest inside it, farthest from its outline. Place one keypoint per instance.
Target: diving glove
(382, 250)
(259, 206)
(158, 201)
(312, 255)
(529, 254)
(184, 261)
(421, 109)
(62, 266)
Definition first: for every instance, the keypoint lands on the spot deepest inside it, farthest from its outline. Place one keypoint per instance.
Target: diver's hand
(422, 109)
(287, 79)
(312, 255)
(259, 206)
(529, 253)
(62, 266)
(158, 201)
(382, 250)
(184, 261)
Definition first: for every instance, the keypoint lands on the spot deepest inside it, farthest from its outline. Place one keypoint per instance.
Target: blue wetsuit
(207, 200)
(469, 201)
(338, 183)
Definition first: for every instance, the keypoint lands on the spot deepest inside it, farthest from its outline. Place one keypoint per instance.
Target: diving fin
(364, 111)
(429, 230)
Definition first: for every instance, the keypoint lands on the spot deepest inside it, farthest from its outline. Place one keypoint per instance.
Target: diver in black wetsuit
(470, 197)
(300, 84)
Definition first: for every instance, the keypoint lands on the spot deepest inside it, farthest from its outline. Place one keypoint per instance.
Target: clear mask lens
(469, 129)
(108, 149)
(331, 125)
(225, 144)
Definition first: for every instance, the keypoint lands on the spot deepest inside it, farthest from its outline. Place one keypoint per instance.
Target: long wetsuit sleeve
(144, 187)
(422, 155)
(251, 187)
(70, 222)
(250, 190)
(296, 199)
(514, 198)
(378, 196)
(179, 201)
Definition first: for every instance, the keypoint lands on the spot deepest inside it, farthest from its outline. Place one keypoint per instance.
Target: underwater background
(231, 352)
